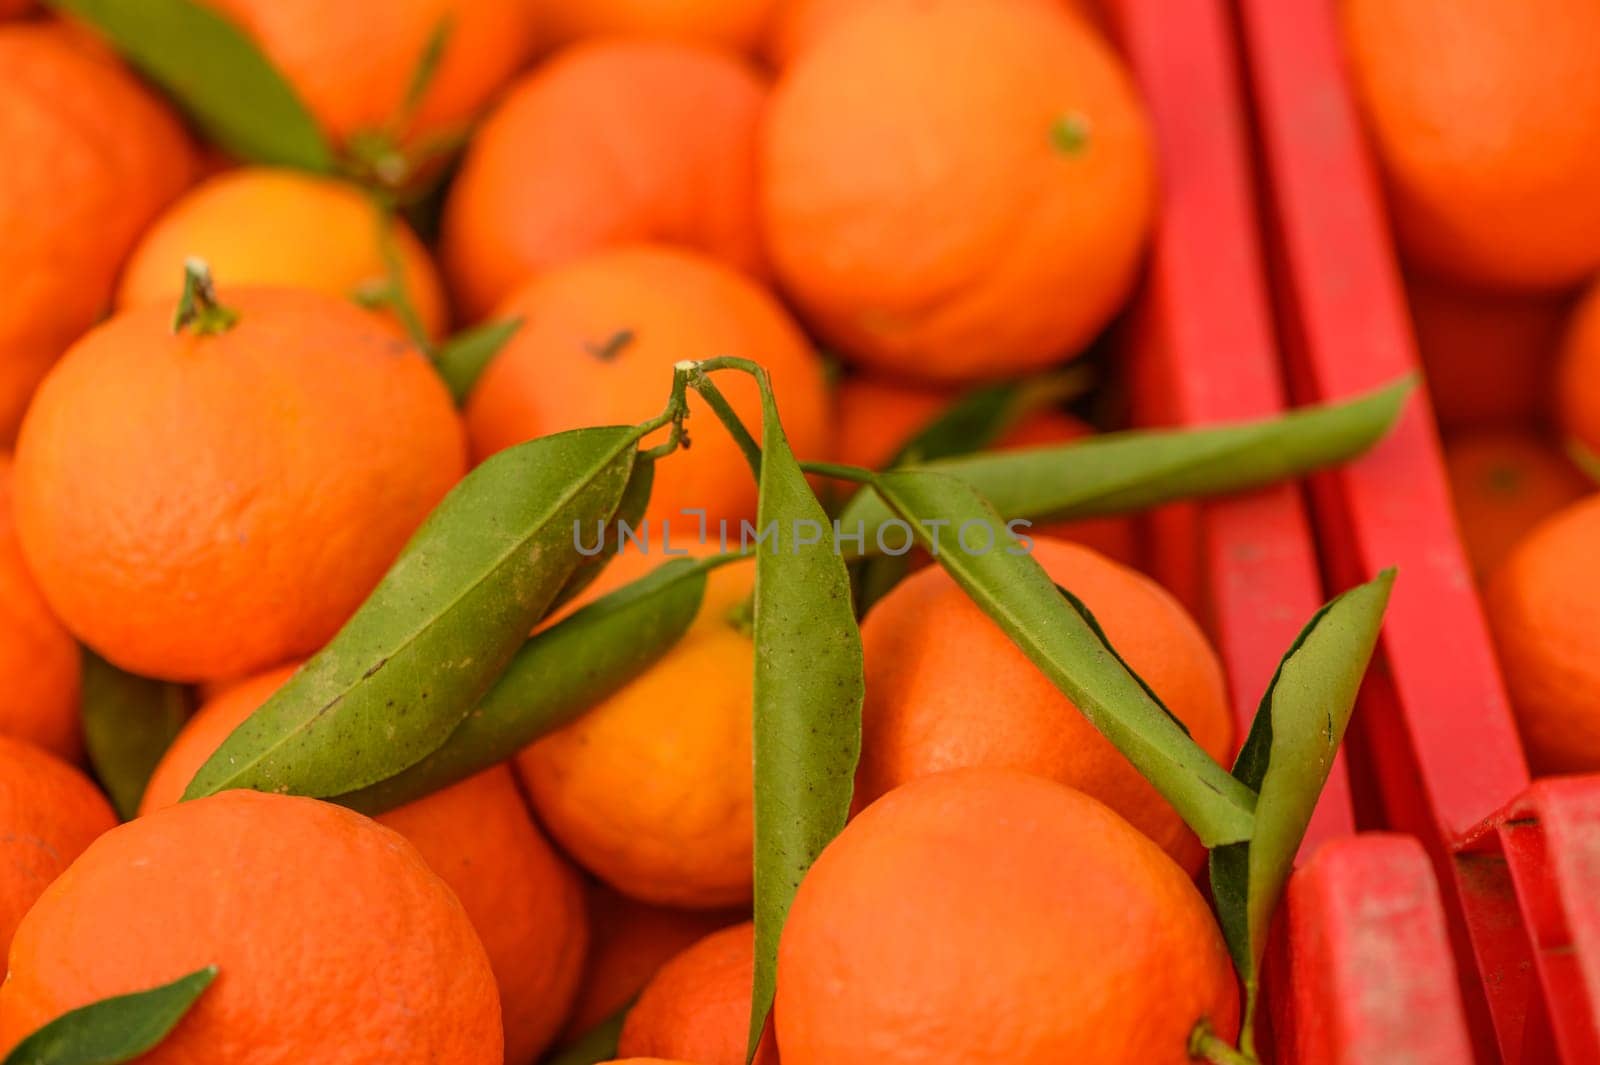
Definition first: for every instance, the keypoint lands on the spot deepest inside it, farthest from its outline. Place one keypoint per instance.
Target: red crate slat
(1435, 722)
(1204, 350)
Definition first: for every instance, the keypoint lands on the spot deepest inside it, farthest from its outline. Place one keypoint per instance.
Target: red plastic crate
(1201, 347)
(1519, 866)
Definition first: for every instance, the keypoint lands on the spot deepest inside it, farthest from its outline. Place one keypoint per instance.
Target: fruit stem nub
(1205, 1045)
(198, 306)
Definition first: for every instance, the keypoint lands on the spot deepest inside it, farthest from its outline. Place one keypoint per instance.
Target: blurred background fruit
(609, 143)
(49, 813)
(95, 157)
(1544, 608)
(1504, 482)
(599, 339)
(199, 507)
(39, 659)
(732, 24)
(259, 226)
(1578, 374)
(524, 901)
(957, 190)
(1486, 118)
(940, 925)
(947, 689)
(329, 930)
(698, 1006)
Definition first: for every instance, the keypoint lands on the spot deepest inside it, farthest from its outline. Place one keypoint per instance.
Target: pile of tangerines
(883, 202)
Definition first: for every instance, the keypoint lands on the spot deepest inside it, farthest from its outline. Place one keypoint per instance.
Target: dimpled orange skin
(98, 156)
(874, 419)
(1578, 374)
(698, 1006)
(1486, 119)
(608, 143)
(629, 942)
(917, 203)
(199, 507)
(524, 900)
(598, 343)
(1504, 482)
(942, 925)
(260, 226)
(1488, 356)
(39, 659)
(732, 24)
(1543, 605)
(334, 942)
(659, 805)
(49, 812)
(947, 689)
(353, 62)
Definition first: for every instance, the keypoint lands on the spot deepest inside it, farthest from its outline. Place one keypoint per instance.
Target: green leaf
(462, 359)
(609, 534)
(1059, 637)
(1118, 473)
(1286, 760)
(559, 674)
(598, 1044)
(113, 1030)
(216, 74)
(441, 626)
(808, 693)
(423, 73)
(128, 724)
(971, 423)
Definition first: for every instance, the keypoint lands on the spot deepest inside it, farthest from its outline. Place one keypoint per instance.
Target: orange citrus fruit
(1543, 605)
(598, 343)
(354, 62)
(609, 143)
(96, 157)
(333, 940)
(1503, 482)
(659, 805)
(698, 1006)
(49, 812)
(798, 24)
(1486, 118)
(1488, 356)
(629, 941)
(940, 926)
(259, 226)
(957, 190)
(39, 659)
(1578, 374)
(200, 506)
(732, 24)
(478, 836)
(946, 688)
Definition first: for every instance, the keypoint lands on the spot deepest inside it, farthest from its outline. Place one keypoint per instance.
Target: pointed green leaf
(609, 534)
(427, 68)
(559, 674)
(216, 74)
(439, 629)
(128, 724)
(808, 692)
(462, 359)
(971, 423)
(1119, 473)
(1584, 458)
(113, 1030)
(1286, 759)
(1008, 584)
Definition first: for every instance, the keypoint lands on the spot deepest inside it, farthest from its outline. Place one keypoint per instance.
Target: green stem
(198, 306)
(857, 474)
(1206, 1045)
(729, 417)
(676, 411)
(394, 293)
